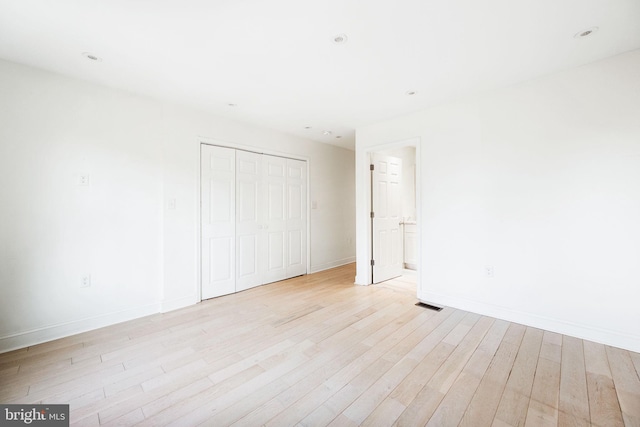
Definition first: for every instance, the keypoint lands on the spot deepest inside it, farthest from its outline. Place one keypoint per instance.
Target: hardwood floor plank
(574, 399)
(627, 384)
(482, 408)
(317, 350)
(513, 406)
(603, 405)
(543, 406)
(457, 399)
(635, 358)
(91, 421)
(420, 410)
(385, 414)
(551, 348)
(89, 409)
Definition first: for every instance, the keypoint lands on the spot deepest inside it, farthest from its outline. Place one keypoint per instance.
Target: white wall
(139, 154)
(540, 181)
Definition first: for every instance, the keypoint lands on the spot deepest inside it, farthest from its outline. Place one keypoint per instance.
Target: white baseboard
(332, 264)
(603, 336)
(62, 330)
(177, 303)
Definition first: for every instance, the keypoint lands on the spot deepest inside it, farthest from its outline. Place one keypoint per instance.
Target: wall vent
(429, 306)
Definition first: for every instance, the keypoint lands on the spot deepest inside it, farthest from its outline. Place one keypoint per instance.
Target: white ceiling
(278, 62)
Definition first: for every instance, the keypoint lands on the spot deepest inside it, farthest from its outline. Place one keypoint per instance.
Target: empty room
(341, 213)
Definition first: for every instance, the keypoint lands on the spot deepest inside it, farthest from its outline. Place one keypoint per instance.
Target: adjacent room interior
(338, 213)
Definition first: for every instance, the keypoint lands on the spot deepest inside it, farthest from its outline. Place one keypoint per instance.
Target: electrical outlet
(85, 281)
(488, 271)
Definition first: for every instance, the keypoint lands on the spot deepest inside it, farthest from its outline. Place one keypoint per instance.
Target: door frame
(364, 269)
(254, 149)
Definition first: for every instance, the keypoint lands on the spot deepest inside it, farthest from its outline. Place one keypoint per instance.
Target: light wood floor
(317, 350)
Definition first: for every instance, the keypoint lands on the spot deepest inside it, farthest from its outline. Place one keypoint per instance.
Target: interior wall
(540, 182)
(134, 228)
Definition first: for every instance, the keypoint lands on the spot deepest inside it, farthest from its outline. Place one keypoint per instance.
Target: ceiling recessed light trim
(585, 33)
(340, 38)
(307, 127)
(232, 105)
(91, 56)
(410, 92)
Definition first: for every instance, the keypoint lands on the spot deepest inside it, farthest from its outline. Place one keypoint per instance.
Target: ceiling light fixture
(338, 136)
(326, 132)
(91, 56)
(410, 92)
(340, 39)
(307, 127)
(232, 105)
(585, 33)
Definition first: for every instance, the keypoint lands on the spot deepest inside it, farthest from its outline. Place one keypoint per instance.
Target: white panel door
(218, 219)
(386, 207)
(296, 217)
(274, 171)
(249, 224)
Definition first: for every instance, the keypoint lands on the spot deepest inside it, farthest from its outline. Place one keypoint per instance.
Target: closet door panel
(275, 180)
(249, 227)
(296, 262)
(217, 221)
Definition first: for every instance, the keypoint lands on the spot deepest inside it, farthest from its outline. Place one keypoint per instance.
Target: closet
(253, 219)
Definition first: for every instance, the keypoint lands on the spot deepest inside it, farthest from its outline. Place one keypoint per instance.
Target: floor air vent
(429, 306)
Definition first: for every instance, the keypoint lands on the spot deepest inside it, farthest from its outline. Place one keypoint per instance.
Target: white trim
(198, 210)
(61, 330)
(177, 303)
(332, 264)
(600, 335)
(252, 148)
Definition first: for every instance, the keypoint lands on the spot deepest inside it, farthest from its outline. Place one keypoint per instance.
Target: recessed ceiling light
(585, 33)
(410, 92)
(326, 132)
(232, 105)
(91, 56)
(338, 136)
(340, 39)
(307, 127)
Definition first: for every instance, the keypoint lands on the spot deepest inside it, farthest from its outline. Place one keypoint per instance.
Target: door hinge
(373, 262)
(371, 167)
(372, 214)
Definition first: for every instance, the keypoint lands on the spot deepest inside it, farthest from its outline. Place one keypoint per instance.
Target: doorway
(393, 227)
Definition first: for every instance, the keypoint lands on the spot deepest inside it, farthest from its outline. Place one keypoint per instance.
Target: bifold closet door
(218, 220)
(261, 244)
(254, 219)
(296, 221)
(250, 247)
(274, 171)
